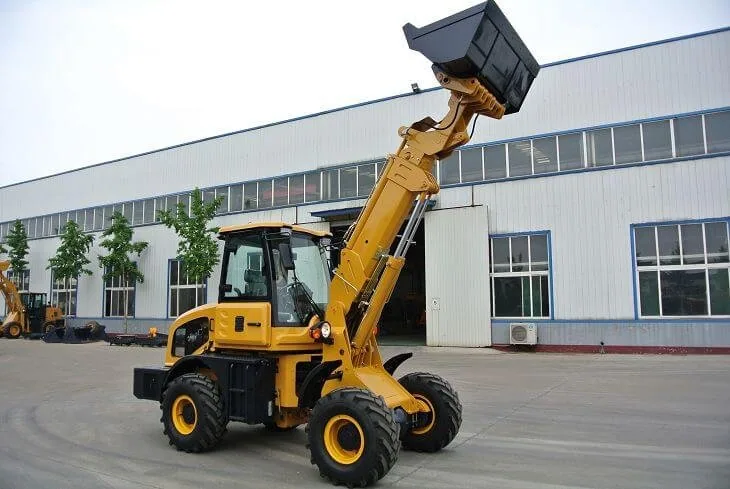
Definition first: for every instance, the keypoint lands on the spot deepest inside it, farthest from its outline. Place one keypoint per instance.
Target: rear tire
(353, 437)
(193, 414)
(445, 419)
(49, 326)
(12, 330)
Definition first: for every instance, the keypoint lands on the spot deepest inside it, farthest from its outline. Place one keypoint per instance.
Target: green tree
(197, 248)
(117, 263)
(70, 258)
(17, 241)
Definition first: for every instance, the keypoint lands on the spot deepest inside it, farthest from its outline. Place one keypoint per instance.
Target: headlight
(326, 330)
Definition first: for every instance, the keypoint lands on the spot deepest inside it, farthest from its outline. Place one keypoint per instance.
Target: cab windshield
(304, 291)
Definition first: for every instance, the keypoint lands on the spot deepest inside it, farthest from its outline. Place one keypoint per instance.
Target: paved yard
(531, 421)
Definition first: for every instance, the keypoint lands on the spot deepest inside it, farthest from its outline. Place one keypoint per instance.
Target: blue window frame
(521, 275)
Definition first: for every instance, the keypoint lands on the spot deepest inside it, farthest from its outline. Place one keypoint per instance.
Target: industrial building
(598, 215)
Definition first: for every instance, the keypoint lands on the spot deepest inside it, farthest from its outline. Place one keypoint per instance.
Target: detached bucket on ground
(479, 42)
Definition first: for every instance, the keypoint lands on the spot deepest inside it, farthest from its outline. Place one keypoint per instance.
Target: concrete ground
(531, 421)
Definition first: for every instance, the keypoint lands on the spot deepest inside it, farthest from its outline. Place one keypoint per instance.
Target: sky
(83, 82)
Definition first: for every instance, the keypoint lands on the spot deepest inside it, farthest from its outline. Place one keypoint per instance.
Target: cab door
(243, 313)
(36, 312)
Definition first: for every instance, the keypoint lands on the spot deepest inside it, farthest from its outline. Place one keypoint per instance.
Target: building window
(545, 154)
(296, 189)
(600, 149)
(20, 279)
(627, 144)
(520, 158)
(472, 167)
(521, 275)
(657, 137)
(449, 169)
(717, 129)
(311, 186)
(235, 198)
(682, 269)
(281, 191)
(185, 294)
(348, 182)
(365, 179)
(265, 198)
(63, 293)
(118, 297)
(495, 162)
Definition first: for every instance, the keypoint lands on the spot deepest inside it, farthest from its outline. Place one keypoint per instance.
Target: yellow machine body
(291, 341)
(27, 313)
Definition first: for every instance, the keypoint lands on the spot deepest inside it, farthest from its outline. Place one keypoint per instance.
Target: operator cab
(34, 304)
(285, 266)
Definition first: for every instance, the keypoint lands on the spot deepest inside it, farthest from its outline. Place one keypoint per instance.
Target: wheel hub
(344, 439)
(188, 413)
(184, 415)
(348, 437)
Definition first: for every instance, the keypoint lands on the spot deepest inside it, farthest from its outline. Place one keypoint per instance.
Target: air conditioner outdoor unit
(522, 334)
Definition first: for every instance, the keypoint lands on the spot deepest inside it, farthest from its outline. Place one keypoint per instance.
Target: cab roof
(272, 224)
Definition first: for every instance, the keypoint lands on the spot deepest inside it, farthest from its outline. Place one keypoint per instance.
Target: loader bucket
(479, 42)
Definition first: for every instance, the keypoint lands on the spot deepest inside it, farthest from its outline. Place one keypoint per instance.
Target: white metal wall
(663, 79)
(589, 217)
(457, 277)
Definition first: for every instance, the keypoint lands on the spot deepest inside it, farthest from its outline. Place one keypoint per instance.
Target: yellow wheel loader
(291, 342)
(28, 312)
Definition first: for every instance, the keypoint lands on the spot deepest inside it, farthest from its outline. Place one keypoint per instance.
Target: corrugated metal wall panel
(457, 277)
(589, 216)
(664, 79)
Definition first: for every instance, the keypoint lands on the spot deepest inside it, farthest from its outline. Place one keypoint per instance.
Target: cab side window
(246, 275)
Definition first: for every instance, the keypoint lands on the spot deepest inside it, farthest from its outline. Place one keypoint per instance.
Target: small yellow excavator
(28, 312)
(291, 342)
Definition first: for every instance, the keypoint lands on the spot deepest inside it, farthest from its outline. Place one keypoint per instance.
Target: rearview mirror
(285, 255)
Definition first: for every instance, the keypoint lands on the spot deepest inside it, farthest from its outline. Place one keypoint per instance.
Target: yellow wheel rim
(426, 406)
(184, 415)
(344, 439)
(14, 330)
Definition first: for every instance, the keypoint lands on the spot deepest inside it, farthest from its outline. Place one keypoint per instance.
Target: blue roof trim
(637, 46)
(361, 104)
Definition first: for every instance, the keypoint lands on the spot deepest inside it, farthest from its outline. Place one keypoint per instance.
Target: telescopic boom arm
(367, 273)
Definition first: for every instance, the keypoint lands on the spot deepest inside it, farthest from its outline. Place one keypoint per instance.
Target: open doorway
(404, 317)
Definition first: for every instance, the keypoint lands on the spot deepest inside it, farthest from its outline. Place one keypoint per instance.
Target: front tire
(193, 414)
(12, 330)
(445, 418)
(353, 437)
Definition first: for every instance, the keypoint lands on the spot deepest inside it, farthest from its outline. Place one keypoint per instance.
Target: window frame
(73, 292)
(528, 273)
(120, 289)
(658, 268)
(25, 279)
(203, 285)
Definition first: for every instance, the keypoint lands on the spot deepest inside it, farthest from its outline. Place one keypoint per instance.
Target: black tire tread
(6, 330)
(421, 443)
(211, 415)
(388, 440)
